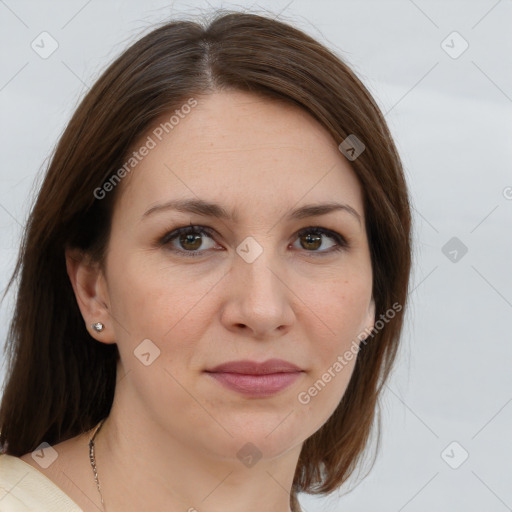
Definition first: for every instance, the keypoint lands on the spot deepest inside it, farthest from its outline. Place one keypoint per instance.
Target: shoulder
(23, 488)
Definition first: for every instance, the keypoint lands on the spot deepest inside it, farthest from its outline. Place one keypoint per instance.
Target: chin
(268, 434)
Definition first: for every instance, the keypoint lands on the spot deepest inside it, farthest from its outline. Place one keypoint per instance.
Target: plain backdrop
(442, 73)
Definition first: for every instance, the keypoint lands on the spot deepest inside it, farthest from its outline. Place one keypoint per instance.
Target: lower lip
(256, 385)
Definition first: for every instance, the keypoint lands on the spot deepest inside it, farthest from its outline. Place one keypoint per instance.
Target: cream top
(25, 489)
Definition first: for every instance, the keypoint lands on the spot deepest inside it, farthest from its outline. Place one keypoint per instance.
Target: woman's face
(255, 285)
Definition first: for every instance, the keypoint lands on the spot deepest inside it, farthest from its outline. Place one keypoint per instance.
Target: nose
(257, 298)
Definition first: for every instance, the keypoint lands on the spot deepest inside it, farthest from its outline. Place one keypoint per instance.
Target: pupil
(191, 238)
(312, 239)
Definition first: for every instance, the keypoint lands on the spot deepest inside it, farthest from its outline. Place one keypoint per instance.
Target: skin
(172, 437)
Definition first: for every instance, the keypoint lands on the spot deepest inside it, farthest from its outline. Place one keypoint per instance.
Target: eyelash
(341, 241)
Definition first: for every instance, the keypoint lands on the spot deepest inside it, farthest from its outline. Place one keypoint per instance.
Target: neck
(142, 465)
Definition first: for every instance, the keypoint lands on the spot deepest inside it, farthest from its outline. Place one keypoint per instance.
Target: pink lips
(256, 379)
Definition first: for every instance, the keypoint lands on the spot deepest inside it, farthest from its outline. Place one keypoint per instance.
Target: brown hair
(60, 382)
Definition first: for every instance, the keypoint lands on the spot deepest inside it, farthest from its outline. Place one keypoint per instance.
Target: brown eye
(312, 239)
(188, 240)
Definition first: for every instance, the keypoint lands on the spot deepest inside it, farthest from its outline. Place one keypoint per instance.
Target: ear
(91, 293)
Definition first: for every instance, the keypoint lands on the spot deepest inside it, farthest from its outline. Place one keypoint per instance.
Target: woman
(212, 281)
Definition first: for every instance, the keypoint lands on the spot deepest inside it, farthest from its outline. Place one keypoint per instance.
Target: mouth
(256, 385)
(255, 379)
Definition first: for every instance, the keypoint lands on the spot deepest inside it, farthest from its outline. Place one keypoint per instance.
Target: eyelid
(342, 243)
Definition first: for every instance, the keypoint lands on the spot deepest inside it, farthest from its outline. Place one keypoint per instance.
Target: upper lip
(248, 367)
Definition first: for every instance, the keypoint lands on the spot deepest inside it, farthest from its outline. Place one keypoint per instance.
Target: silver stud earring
(98, 326)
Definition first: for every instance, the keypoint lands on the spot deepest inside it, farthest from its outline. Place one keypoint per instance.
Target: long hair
(60, 382)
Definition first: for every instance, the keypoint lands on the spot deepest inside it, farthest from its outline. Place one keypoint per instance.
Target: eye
(188, 240)
(310, 238)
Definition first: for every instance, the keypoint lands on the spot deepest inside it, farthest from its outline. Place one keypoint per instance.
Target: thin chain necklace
(93, 460)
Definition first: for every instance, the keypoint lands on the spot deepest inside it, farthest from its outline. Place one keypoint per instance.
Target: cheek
(342, 306)
(323, 389)
(343, 311)
(152, 298)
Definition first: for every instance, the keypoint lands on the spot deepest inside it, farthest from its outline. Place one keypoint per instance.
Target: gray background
(451, 116)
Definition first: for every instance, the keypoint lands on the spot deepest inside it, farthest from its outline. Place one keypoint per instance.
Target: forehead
(243, 150)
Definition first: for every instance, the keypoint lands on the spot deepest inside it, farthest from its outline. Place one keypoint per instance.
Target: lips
(248, 367)
(257, 380)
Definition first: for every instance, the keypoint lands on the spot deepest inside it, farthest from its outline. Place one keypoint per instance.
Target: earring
(98, 326)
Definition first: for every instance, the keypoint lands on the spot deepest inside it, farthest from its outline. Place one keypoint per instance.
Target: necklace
(93, 460)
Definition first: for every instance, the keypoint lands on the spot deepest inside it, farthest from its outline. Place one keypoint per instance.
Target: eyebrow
(209, 209)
